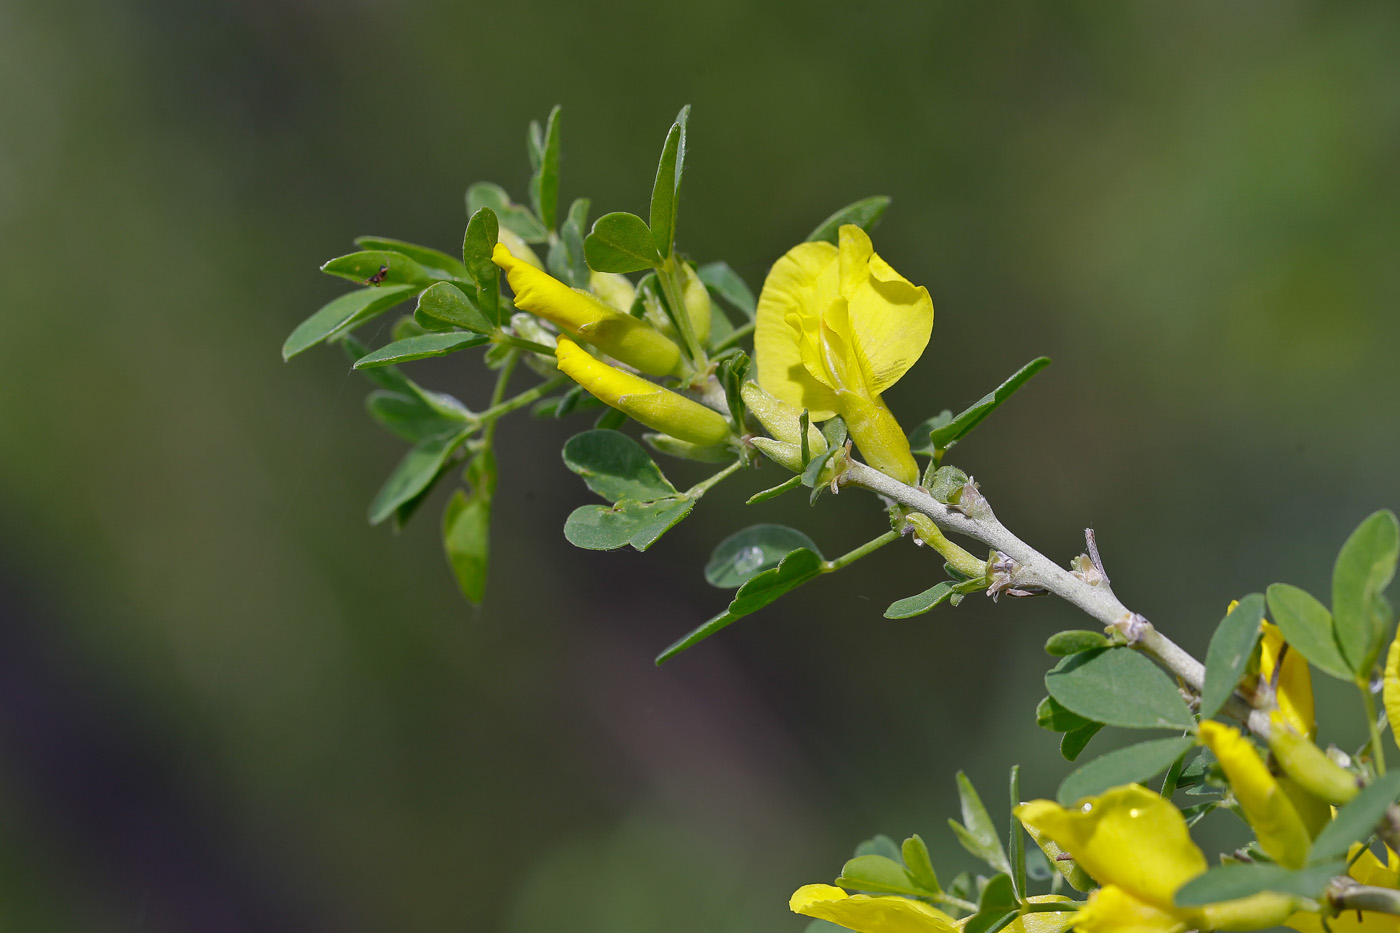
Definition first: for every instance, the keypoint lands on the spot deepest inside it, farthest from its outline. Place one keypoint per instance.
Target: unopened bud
(619, 335)
(1309, 765)
(614, 289)
(518, 247)
(780, 452)
(658, 408)
(780, 419)
(697, 303)
(675, 447)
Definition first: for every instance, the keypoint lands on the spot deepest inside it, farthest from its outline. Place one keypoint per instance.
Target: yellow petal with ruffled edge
(1276, 823)
(801, 285)
(891, 317)
(619, 335)
(1128, 836)
(657, 408)
(867, 914)
(1295, 696)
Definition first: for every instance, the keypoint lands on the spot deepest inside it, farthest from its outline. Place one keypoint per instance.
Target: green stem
(704, 486)
(850, 557)
(511, 340)
(949, 899)
(680, 314)
(499, 393)
(960, 560)
(521, 400)
(736, 338)
(1377, 749)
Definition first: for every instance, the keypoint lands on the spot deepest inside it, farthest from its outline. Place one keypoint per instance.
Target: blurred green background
(227, 704)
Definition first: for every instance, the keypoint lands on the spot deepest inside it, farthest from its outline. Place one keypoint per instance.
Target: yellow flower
(868, 914)
(657, 408)
(619, 335)
(890, 914)
(1276, 823)
(836, 327)
(1391, 693)
(1295, 697)
(1367, 869)
(1135, 843)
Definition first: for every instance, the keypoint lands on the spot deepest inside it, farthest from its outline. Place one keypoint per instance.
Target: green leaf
(1307, 627)
(1229, 882)
(640, 524)
(747, 553)
(408, 416)
(544, 184)
(512, 215)
(723, 282)
(918, 864)
(911, 606)
(865, 213)
(1118, 687)
(1073, 641)
(338, 316)
(573, 265)
(616, 467)
(466, 533)
(665, 193)
(1229, 651)
(919, 442)
(955, 430)
(1130, 765)
(773, 492)
(447, 303)
(620, 242)
(377, 267)
(417, 348)
(877, 874)
(1363, 570)
(977, 833)
(478, 246)
(423, 255)
(878, 844)
(1054, 717)
(794, 570)
(996, 908)
(416, 472)
(1357, 820)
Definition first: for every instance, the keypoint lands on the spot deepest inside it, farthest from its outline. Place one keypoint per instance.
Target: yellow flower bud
(518, 247)
(697, 303)
(657, 408)
(619, 335)
(674, 447)
(1309, 765)
(780, 452)
(1276, 823)
(781, 420)
(614, 289)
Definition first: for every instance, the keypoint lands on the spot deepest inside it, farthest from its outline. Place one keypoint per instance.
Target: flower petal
(657, 408)
(867, 914)
(891, 318)
(1112, 910)
(1295, 696)
(802, 284)
(1128, 836)
(881, 440)
(1276, 823)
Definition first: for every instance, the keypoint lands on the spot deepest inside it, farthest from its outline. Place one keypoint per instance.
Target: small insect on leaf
(379, 277)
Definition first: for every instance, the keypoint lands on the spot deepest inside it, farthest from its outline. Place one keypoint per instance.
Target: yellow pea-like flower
(1366, 869)
(1277, 826)
(619, 335)
(867, 914)
(658, 408)
(1136, 844)
(1295, 696)
(835, 327)
(1391, 688)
